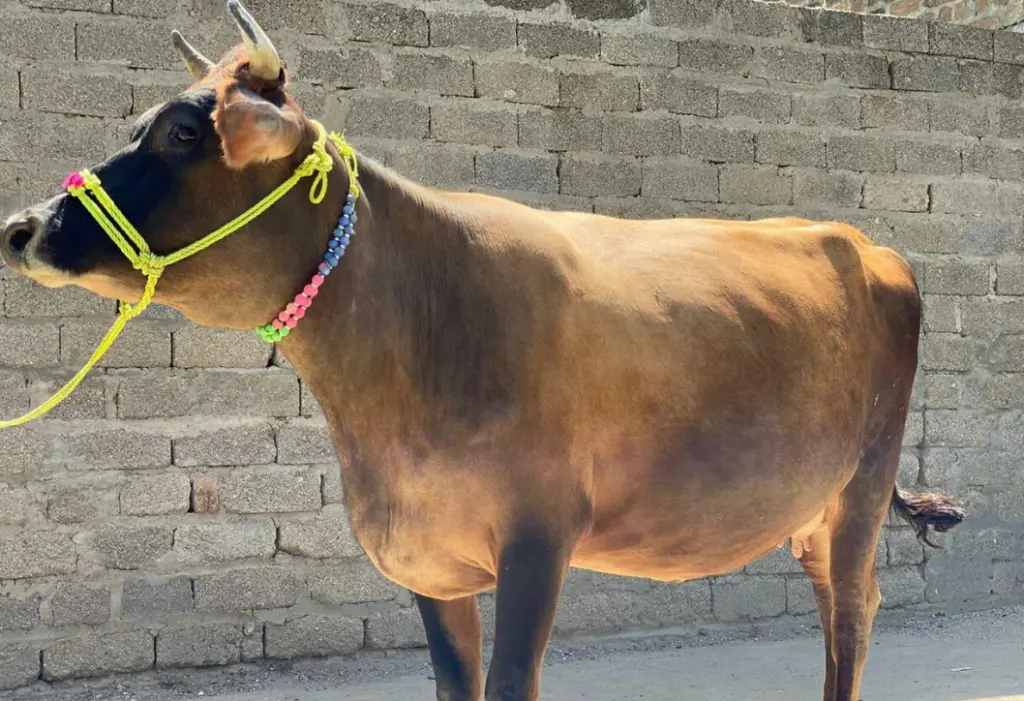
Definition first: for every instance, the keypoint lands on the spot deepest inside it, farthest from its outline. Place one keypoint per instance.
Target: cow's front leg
(454, 639)
(530, 574)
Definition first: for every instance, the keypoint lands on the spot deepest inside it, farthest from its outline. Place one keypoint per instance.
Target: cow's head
(193, 164)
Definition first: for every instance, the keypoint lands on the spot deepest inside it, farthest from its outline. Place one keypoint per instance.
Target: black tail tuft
(924, 509)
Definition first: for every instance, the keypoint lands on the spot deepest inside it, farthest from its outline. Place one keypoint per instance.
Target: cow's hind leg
(454, 639)
(814, 557)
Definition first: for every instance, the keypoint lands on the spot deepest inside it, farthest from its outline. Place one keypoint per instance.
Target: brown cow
(512, 392)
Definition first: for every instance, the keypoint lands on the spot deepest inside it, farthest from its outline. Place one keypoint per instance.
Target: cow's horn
(197, 64)
(263, 59)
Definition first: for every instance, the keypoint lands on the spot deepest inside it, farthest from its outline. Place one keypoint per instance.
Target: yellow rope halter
(152, 265)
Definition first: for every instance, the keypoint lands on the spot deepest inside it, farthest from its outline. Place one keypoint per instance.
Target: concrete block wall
(990, 14)
(183, 507)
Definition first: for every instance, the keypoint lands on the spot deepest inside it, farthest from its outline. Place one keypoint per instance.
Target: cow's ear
(256, 128)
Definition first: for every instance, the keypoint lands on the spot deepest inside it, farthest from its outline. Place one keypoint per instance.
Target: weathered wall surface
(979, 13)
(183, 507)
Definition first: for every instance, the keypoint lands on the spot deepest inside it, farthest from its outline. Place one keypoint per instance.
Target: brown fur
(512, 392)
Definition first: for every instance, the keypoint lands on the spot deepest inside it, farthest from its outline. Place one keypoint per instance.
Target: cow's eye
(183, 135)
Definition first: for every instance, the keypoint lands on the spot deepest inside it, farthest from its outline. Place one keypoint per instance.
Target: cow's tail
(924, 510)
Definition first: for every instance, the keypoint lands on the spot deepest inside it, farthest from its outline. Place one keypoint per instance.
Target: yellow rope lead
(121, 232)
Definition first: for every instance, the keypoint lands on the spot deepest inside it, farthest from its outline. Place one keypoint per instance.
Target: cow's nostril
(20, 239)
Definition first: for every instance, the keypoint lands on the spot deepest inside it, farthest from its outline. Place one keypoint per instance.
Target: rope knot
(149, 264)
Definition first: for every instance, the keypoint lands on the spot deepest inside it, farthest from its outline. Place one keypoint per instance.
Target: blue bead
(345, 221)
(332, 259)
(347, 209)
(324, 269)
(354, 217)
(334, 243)
(345, 239)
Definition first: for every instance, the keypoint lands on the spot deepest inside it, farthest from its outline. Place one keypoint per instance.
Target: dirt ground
(915, 656)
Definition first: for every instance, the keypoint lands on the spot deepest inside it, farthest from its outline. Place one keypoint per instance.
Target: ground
(914, 656)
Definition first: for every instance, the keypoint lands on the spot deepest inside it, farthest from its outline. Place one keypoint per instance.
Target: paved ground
(966, 657)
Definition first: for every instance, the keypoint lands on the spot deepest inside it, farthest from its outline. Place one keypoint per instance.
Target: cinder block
(304, 443)
(990, 317)
(993, 161)
(748, 597)
(199, 645)
(818, 187)
(599, 89)
(513, 170)
(328, 534)
(895, 194)
(682, 13)
(28, 344)
(1009, 47)
(761, 20)
(160, 597)
(128, 545)
(640, 135)
(975, 198)
(97, 654)
(19, 664)
(715, 56)
(149, 88)
(925, 73)
(1002, 390)
(1010, 277)
(313, 636)
(211, 543)
(1011, 123)
(858, 70)
(947, 353)
(27, 138)
(901, 586)
(894, 111)
(419, 161)
(591, 176)
(14, 401)
(127, 42)
(400, 628)
(213, 393)
(80, 603)
(559, 130)
(864, 153)
(958, 428)
(145, 8)
(270, 490)
(19, 612)
(970, 117)
(744, 184)
(104, 449)
(141, 344)
(827, 110)
(36, 553)
(472, 30)
(149, 495)
(516, 81)
(239, 590)
(16, 503)
(985, 78)
(339, 66)
(941, 391)
(895, 34)
(473, 122)
(233, 445)
(792, 65)
(79, 503)
(956, 277)
(636, 49)
(677, 94)
(355, 582)
(433, 72)
(75, 91)
(205, 347)
(297, 15)
(389, 23)
(548, 40)
(81, 5)
(717, 144)
(942, 315)
(836, 28)
(391, 116)
(30, 299)
(790, 148)
(604, 9)
(679, 179)
(762, 105)
(777, 561)
(38, 36)
(959, 40)
(928, 158)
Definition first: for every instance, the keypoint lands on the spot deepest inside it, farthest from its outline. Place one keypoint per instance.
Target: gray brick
(142, 344)
(994, 161)
(21, 447)
(145, 8)
(975, 198)
(958, 428)
(998, 391)
(714, 56)
(473, 30)
(792, 65)
(355, 582)
(19, 664)
(97, 654)
(956, 277)
(895, 34)
(895, 194)
(235, 445)
(717, 144)
(148, 495)
(761, 19)
(388, 23)
(209, 543)
(80, 603)
(762, 105)
(837, 28)
(81, 5)
(640, 135)
(517, 81)
(298, 15)
(992, 317)
(925, 73)
(343, 67)
(680, 179)
(105, 449)
(777, 561)
(677, 94)
(419, 162)
(252, 642)
(128, 546)
(36, 553)
(27, 298)
(681, 13)
(240, 590)
(636, 49)
(800, 596)
(28, 344)
(473, 122)
(388, 116)
(1010, 277)
(390, 630)
(27, 138)
(304, 443)
(790, 148)
(638, 207)
(985, 78)
(591, 176)
(206, 347)
(126, 42)
(604, 90)
(15, 503)
(433, 72)
(199, 645)
(156, 598)
(895, 112)
(515, 170)
(827, 110)
(550, 40)
(1011, 123)
(211, 393)
(38, 36)
(88, 401)
(604, 9)
(825, 188)
(314, 636)
(960, 40)
(270, 490)
(745, 598)
(75, 92)
(971, 118)
(858, 70)
(70, 505)
(14, 401)
(148, 91)
(1009, 47)
(857, 152)
(745, 184)
(560, 130)
(946, 352)
(18, 613)
(941, 391)
(901, 586)
(941, 314)
(329, 534)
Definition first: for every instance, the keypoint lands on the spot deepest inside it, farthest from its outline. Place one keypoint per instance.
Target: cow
(514, 392)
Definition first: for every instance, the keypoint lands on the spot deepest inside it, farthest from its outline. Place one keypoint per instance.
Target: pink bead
(299, 313)
(73, 180)
(278, 324)
(284, 316)
(292, 322)
(310, 291)
(302, 300)
(291, 308)
(318, 280)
